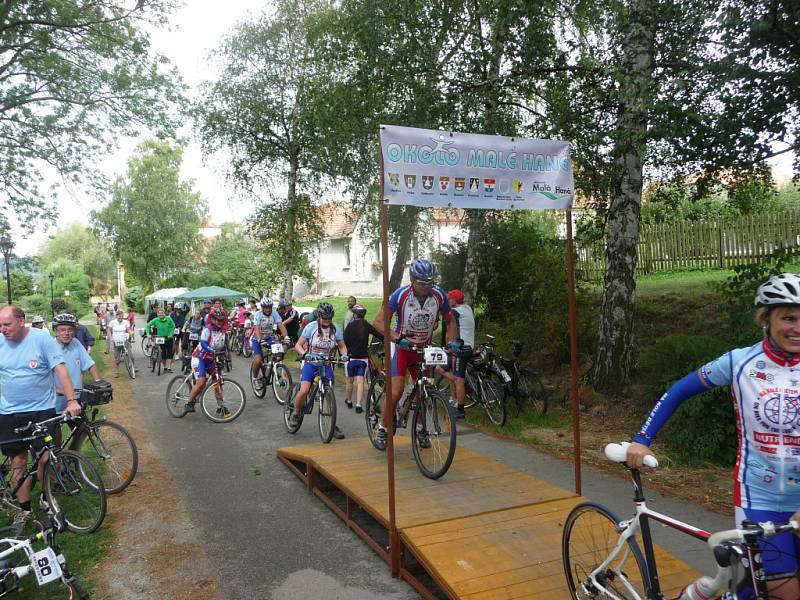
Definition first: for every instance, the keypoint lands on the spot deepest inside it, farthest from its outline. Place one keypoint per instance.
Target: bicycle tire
(470, 385)
(155, 359)
(247, 349)
(178, 390)
(129, 366)
(147, 346)
(281, 382)
(372, 412)
(590, 534)
(112, 451)
(233, 399)
(437, 418)
(288, 409)
(531, 390)
(259, 384)
(73, 486)
(493, 398)
(327, 415)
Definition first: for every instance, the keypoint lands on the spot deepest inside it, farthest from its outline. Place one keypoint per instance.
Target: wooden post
(573, 350)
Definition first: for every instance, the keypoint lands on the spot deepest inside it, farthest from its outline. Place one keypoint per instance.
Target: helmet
(360, 311)
(266, 302)
(218, 314)
(779, 290)
(62, 319)
(283, 304)
(325, 310)
(423, 270)
(40, 319)
(456, 296)
(206, 301)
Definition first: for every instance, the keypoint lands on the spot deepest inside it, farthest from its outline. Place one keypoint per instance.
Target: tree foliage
(80, 244)
(153, 218)
(72, 76)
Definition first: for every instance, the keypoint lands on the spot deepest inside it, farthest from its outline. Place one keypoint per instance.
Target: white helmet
(779, 290)
(266, 302)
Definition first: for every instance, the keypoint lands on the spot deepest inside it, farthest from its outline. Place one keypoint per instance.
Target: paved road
(268, 538)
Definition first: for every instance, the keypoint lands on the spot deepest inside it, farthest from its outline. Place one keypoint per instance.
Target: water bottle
(702, 589)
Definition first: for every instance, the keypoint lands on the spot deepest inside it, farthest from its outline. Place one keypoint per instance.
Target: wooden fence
(705, 244)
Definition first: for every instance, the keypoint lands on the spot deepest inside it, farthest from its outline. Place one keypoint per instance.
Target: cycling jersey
(465, 324)
(415, 320)
(321, 340)
(212, 342)
(267, 323)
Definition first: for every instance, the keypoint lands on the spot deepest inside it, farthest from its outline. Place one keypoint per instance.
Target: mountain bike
(222, 400)
(237, 340)
(524, 383)
(155, 355)
(126, 357)
(147, 342)
(433, 434)
(107, 444)
(71, 484)
(602, 558)
(272, 373)
(321, 392)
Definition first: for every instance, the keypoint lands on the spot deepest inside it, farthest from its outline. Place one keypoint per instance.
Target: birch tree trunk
(287, 289)
(472, 264)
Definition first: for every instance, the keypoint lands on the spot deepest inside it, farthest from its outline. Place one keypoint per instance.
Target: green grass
(97, 349)
(340, 306)
(518, 427)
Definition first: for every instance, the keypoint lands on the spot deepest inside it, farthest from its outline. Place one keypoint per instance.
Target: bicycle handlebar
(63, 418)
(767, 529)
(618, 453)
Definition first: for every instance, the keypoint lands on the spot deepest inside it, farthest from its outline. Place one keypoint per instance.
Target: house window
(347, 254)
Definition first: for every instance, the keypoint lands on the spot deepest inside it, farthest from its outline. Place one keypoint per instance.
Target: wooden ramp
(483, 531)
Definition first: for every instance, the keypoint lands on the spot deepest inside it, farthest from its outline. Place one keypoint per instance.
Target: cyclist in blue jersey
(765, 384)
(318, 337)
(265, 322)
(211, 343)
(417, 306)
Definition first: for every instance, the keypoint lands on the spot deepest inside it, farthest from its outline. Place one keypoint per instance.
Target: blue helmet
(423, 270)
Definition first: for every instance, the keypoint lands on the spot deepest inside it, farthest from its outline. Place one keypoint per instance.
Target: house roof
(338, 218)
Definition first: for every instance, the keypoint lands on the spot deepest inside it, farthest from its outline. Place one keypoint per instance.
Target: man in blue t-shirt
(29, 359)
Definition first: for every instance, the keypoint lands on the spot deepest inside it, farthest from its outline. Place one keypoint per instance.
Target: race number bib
(45, 566)
(435, 356)
(119, 344)
(159, 340)
(194, 336)
(277, 348)
(177, 331)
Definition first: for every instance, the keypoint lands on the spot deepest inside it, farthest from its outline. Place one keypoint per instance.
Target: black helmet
(325, 310)
(360, 311)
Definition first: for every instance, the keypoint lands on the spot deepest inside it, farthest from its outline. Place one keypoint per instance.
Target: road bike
(602, 558)
(524, 384)
(321, 393)
(47, 564)
(107, 444)
(433, 434)
(222, 400)
(126, 357)
(71, 484)
(272, 373)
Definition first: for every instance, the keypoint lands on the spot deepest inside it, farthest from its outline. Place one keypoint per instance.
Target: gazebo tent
(163, 296)
(212, 291)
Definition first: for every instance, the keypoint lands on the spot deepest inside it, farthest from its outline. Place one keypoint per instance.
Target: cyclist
(417, 305)
(265, 322)
(163, 326)
(76, 359)
(764, 384)
(120, 330)
(319, 337)
(194, 325)
(291, 320)
(212, 342)
(458, 359)
(216, 306)
(356, 338)
(178, 317)
(206, 309)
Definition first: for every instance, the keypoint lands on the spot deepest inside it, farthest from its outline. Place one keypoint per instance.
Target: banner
(425, 167)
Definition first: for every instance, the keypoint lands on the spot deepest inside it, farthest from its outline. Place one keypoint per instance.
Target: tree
(80, 244)
(153, 218)
(72, 76)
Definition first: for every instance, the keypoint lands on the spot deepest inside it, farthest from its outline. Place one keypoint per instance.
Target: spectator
(348, 316)
(84, 337)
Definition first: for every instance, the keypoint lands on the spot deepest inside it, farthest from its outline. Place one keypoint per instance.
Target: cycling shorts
(13, 420)
(356, 367)
(167, 348)
(457, 361)
(256, 345)
(309, 370)
(780, 553)
(201, 367)
(403, 360)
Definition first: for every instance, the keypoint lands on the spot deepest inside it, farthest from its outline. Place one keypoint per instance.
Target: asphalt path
(267, 537)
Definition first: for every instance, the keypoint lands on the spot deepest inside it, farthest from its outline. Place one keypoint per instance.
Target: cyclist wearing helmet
(765, 384)
(356, 338)
(163, 327)
(265, 322)
(211, 343)
(120, 331)
(291, 320)
(320, 337)
(417, 306)
(76, 358)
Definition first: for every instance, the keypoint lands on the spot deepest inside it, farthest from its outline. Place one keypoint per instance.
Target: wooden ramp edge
(483, 531)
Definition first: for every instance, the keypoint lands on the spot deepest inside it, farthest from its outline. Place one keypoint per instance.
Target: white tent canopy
(162, 296)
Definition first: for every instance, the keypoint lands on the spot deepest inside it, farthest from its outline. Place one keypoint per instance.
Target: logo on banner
(504, 186)
(427, 181)
(411, 181)
(444, 183)
(33, 363)
(544, 189)
(474, 184)
(394, 180)
(517, 186)
(460, 182)
(488, 185)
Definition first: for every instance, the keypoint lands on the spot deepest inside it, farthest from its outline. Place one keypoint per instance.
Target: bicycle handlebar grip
(24, 428)
(618, 453)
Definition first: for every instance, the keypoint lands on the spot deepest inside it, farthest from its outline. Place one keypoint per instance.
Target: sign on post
(425, 167)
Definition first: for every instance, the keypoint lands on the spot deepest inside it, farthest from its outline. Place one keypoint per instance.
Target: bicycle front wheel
(129, 365)
(147, 346)
(178, 390)
(281, 383)
(433, 433)
(372, 414)
(230, 404)
(589, 536)
(494, 399)
(73, 486)
(259, 384)
(531, 390)
(112, 451)
(327, 414)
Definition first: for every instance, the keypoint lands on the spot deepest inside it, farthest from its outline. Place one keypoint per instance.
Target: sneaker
(223, 412)
(337, 433)
(460, 412)
(258, 383)
(423, 439)
(348, 403)
(189, 407)
(381, 437)
(359, 410)
(294, 419)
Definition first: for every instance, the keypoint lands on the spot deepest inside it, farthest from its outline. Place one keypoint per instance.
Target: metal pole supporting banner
(573, 351)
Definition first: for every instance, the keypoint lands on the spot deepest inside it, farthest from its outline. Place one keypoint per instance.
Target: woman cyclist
(211, 343)
(765, 384)
(356, 338)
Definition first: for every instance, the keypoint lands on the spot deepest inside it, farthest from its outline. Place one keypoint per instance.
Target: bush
(703, 429)
(134, 298)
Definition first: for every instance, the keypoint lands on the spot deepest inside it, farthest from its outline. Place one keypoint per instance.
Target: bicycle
(71, 484)
(155, 355)
(596, 546)
(222, 400)
(524, 384)
(272, 373)
(126, 358)
(107, 444)
(322, 390)
(147, 342)
(433, 437)
(47, 564)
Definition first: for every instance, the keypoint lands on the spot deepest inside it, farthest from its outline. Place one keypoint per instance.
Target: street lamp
(52, 300)
(6, 245)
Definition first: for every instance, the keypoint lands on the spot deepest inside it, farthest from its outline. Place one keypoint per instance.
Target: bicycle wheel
(112, 451)
(433, 433)
(531, 390)
(178, 390)
(372, 414)
(327, 415)
(129, 365)
(147, 346)
(471, 385)
(247, 349)
(73, 486)
(288, 409)
(494, 399)
(281, 382)
(259, 384)
(232, 405)
(590, 534)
